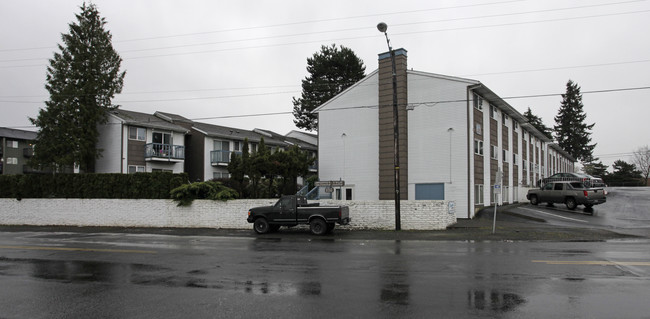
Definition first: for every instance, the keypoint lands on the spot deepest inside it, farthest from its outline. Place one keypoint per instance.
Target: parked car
(571, 193)
(293, 210)
(588, 180)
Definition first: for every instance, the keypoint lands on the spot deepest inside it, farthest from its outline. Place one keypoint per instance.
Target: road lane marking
(593, 262)
(81, 249)
(558, 216)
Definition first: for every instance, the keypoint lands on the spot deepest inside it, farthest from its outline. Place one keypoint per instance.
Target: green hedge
(132, 186)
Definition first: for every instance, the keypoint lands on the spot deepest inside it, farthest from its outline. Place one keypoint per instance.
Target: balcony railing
(221, 157)
(164, 151)
(28, 152)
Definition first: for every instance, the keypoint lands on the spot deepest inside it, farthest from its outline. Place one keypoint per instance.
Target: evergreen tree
(625, 174)
(595, 169)
(571, 131)
(331, 71)
(82, 80)
(537, 122)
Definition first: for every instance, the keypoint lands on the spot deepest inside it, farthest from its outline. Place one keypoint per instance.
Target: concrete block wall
(415, 215)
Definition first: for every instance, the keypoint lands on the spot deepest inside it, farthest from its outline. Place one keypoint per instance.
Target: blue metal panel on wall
(433, 191)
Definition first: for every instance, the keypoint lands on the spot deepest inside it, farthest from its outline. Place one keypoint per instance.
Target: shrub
(187, 193)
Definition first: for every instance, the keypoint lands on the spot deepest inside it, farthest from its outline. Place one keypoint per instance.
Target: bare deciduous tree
(642, 161)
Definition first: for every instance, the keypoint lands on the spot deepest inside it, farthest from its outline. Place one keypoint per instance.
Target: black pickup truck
(294, 210)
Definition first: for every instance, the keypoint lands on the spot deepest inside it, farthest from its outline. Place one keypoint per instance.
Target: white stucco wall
(416, 215)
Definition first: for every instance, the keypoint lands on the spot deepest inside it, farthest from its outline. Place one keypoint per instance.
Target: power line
(358, 37)
(292, 23)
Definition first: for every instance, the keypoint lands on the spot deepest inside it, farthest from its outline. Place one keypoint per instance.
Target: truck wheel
(318, 226)
(330, 227)
(570, 203)
(261, 226)
(533, 200)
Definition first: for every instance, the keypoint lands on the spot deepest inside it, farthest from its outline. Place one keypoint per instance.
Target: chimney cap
(386, 55)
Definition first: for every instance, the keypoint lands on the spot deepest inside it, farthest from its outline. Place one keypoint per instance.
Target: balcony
(221, 157)
(314, 167)
(28, 152)
(164, 152)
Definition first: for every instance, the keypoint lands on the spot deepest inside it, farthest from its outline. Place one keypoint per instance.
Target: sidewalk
(509, 227)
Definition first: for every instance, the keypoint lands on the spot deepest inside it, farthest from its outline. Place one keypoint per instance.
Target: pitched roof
(232, 133)
(17, 134)
(146, 120)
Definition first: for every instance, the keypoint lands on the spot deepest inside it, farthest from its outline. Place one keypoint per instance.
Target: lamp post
(382, 27)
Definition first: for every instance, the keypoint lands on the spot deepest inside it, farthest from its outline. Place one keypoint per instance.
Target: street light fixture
(382, 27)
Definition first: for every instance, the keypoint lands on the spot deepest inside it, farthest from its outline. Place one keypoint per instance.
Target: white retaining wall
(415, 215)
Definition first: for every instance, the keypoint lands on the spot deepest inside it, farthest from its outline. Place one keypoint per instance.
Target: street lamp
(382, 27)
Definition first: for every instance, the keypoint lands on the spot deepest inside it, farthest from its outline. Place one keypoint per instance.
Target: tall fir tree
(571, 131)
(82, 80)
(537, 122)
(331, 71)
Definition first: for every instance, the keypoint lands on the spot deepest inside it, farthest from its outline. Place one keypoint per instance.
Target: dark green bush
(187, 193)
(133, 186)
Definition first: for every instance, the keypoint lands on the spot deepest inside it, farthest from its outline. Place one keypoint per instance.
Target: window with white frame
(505, 194)
(515, 159)
(220, 175)
(478, 194)
(12, 144)
(478, 102)
(504, 118)
(515, 125)
(136, 169)
(12, 160)
(505, 156)
(494, 152)
(493, 111)
(478, 128)
(478, 147)
(515, 194)
(137, 133)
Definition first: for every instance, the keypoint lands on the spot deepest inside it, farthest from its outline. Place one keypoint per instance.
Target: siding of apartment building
(348, 144)
(438, 139)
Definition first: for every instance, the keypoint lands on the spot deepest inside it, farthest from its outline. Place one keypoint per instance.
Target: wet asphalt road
(626, 211)
(110, 275)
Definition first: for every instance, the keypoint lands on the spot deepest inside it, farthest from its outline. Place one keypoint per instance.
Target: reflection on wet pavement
(493, 300)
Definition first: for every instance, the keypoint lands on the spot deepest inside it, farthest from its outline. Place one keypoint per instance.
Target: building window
(478, 102)
(494, 152)
(506, 198)
(515, 194)
(515, 125)
(478, 147)
(236, 146)
(505, 156)
(136, 169)
(137, 133)
(220, 175)
(12, 144)
(515, 159)
(478, 128)
(504, 118)
(478, 194)
(12, 160)
(493, 112)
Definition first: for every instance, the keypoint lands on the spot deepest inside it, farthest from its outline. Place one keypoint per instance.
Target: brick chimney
(386, 129)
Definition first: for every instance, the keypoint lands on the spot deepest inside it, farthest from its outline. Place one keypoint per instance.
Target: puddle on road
(493, 300)
(70, 271)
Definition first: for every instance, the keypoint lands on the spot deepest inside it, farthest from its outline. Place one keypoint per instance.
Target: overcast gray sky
(209, 60)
